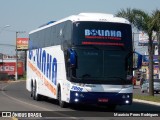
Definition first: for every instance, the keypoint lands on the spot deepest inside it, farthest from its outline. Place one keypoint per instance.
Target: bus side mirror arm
(72, 58)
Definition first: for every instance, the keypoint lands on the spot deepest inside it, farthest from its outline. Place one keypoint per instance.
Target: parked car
(145, 86)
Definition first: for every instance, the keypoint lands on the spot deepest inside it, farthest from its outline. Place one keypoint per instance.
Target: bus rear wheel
(32, 89)
(36, 96)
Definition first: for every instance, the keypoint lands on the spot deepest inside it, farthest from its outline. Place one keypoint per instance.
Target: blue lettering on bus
(38, 55)
(30, 54)
(46, 64)
(104, 33)
(76, 88)
(48, 69)
(54, 71)
(43, 61)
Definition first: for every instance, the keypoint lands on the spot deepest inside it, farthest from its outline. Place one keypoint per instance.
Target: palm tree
(128, 14)
(156, 21)
(144, 22)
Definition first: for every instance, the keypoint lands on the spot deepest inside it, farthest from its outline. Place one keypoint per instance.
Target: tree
(128, 14)
(144, 22)
(156, 23)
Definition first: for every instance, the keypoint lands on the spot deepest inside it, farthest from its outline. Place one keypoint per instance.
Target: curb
(10, 81)
(147, 102)
(4, 81)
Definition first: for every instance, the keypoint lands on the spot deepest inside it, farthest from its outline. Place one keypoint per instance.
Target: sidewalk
(146, 102)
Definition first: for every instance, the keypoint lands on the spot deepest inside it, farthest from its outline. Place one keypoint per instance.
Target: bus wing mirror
(137, 60)
(73, 59)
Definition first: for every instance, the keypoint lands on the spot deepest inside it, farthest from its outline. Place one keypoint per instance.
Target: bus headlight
(125, 96)
(128, 96)
(127, 101)
(76, 100)
(76, 94)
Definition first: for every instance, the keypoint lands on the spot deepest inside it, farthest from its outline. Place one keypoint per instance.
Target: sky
(27, 15)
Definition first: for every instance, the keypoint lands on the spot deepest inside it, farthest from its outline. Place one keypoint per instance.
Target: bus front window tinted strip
(99, 47)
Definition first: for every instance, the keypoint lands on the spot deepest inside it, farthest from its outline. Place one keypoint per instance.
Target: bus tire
(32, 89)
(36, 96)
(33, 92)
(111, 107)
(62, 104)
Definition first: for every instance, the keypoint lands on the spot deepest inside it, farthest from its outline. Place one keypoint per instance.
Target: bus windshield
(101, 64)
(102, 50)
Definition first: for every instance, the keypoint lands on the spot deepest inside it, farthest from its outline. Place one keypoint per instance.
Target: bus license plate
(103, 100)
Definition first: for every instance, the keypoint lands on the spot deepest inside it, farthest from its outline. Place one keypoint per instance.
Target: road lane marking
(17, 100)
(45, 109)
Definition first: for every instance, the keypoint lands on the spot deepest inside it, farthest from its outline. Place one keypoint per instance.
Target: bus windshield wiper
(116, 78)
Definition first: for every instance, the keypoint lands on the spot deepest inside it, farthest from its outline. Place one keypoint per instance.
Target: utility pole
(1, 57)
(2, 53)
(16, 70)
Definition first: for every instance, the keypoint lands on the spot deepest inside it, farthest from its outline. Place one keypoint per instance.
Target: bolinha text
(103, 33)
(46, 63)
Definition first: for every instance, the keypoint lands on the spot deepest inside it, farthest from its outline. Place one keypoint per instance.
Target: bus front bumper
(101, 98)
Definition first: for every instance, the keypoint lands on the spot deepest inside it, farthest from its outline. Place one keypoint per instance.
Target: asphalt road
(15, 97)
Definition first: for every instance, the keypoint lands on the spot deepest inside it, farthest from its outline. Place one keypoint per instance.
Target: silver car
(145, 86)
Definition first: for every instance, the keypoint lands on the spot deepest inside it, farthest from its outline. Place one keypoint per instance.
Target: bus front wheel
(62, 104)
(111, 107)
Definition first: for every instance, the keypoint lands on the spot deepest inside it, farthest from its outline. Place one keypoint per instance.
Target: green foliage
(127, 14)
(147, 23)
(140, 19)
(23, 78)
(156, 20)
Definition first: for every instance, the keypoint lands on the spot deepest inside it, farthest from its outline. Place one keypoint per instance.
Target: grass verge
(147, 98)
(24, 77)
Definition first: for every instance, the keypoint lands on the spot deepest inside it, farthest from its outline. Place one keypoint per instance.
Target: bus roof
(97, 17)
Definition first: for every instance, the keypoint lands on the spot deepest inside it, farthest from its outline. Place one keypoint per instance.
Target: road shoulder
(146, 102)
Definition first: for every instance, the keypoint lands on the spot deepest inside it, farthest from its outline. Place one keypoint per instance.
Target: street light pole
(2, 53)
(16, 70)
(1, 57)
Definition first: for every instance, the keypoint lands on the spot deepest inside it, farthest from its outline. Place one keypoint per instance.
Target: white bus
(85, 58)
